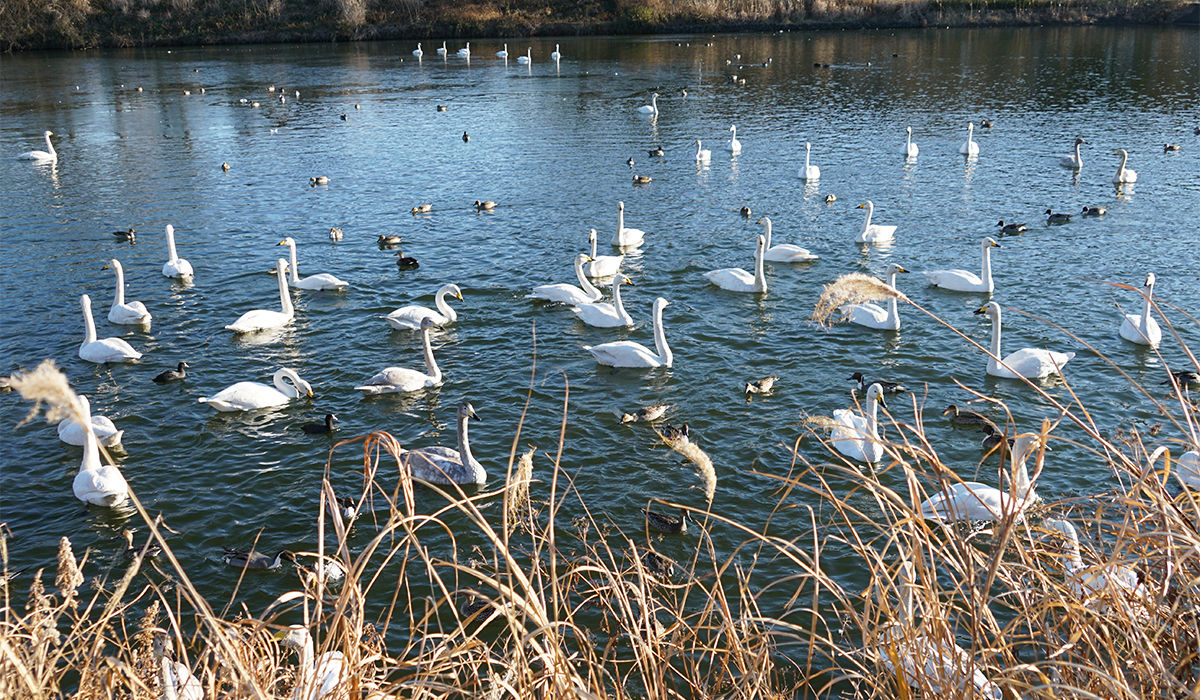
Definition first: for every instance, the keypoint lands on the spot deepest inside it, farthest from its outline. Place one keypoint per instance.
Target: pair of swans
(603, 315)
(48, 155)
(809, 172)
(735, 279)
(1030, 363)
(102, 428)
(249, 396)
(971, 500)
(651, 108)
(857, 436)
(323, 281)
(1142, 328)
(264, 319)
(910, 148)
(703, 155)
(1074, 162)
(401, 380)
(733, 145)
(132, 314)
(873, 315)
(101, 351)
(626, 237)
(602, 265)
(784, 252)
(318, 677)
(586, 293)
(409, 318)
(96, 483)
(963, 281)
(176, 267)
(442, 465)
(624, 353)
(873, 233)
(969, 147)
(1123, 174)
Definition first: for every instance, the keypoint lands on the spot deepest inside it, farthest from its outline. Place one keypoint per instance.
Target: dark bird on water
(173, 375)
(255, 560)
(466, 137)
(406, 263)
(319, 428)
(669, 524)
(126, 235)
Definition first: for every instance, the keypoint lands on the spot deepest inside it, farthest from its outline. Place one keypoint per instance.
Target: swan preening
(132, 314)
(703, 155)
(1030, 363)
(1142, 328)
(735, 279)
(409, 317)
(318, 677)
(175, 267)
(103, 428)
(248, 396)
(969, 147)
(1088, 582)
(784, 252)
(624, 353)
(874, 316)
(626, 237)
(401, 380)
(569, 293)
(651, 108)
(733, 145)
(604, 315)
(1123, 173)
(49, 154)
(964, 281)
(857, 436)
(323, 281)
(971, 500)
(264, 319)
(1074, 162)
(96, 483)
(601, 265)
(910, 148)
(442, 465)
(873, 233)
(101, 351)
(810, 172)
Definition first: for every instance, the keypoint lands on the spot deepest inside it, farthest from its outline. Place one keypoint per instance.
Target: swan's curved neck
(893, 312)
(994, 360)
(767, 233)
(1068, 531)
(1021, 472)
(660, 338)
(120, 297)
(91, 449)
(285, 298)
(985, 273)
(698, 148)
(50, 146)
(444, 308)
(620, 308)
(654, 102)
(760, 278)
(464, 442)
(435, 372)
(171, 245)
(1078, 157)
(89, 325)
(586, 284)
(292, 389)
(1124, 158)
(295, 268)
(169, 680)
(867, 221)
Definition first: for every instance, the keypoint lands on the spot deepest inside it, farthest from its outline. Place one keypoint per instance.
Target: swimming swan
(101, 351)
(624, 353)
(810, 172)
(408, 318)
(263, 319)
(555, 54)
(401, 380)
(971, 500)
(175, 267)
(969, 147)
(910, 148)
(417, 51)
(1142, 328)
(702, 155)
(603, 315)
(601, 265)
(1123, 174)
(963, 281)
(651, 108)
(873, 233)
(1074, 162)
(569, 293)
(49, 154)
(100, 485)
(733, 145)
(626, 237)
(319, 677)
(132, 314)
(784, 252)
(1031, 363)
(442, 51)
(504, 53)
(735, 279)
(442, 465)
(465, 51)
(857, 436)
(527, 58)
(178, 683)
(248, 396)
(103, 428)
(322, 281)
(872, 315)
(1091, 581)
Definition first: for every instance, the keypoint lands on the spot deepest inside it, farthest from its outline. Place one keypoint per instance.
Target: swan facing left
(47, 155)
(317, 677)
(873, 233)
(875, 316)
(264, 319)
(443, 465)
(857, 436)
(101, 351)
(248, 396)
(319, 282)
(603, 315)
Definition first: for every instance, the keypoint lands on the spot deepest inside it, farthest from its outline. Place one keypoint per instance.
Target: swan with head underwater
(1074, 162)
(48, 155)
(1142, 328)
(401, 380)
(176, 267)
(874, 316)
(1123, 174)
(249, 396)
(784, 252)
(569, 293)
(265, 319)
(601, 265)
(101, 351)
(624, 353)
(969, 147)
(809, 172)
(320, 282)
(873, 233)
(1030, 363)
(442, 465)
(964, 281)
(971, 500)
(132, 314)
(96, 483)
(910, 148)
(733, 145)
(735, 279)
(408, 318)
(603, 315)
(651, 108)
(626, 237)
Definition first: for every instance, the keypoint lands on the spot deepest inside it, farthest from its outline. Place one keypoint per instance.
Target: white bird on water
(910, 148)
(969, 147)
(601, 265)
(101, 351)
(265, 319)
(133, 313)
(964, 281)
(175, 267)
(809, 172)
(603, 315)
(1142, 328)
(735, 279)
(651, 108)
(1123, 174)
(401, 380)
(103, 428)
(408, 318)
(784, 252)
(96, 483)
(971, 500)
(874, 316)
(443, 465)
(857, 436)
(1030, 363)
(733, 145)
(624, 353)
(49, 154)
(626, 237)
(873, 233)
(318, 677)
(569, 293)
(322, 281)
(249, 396)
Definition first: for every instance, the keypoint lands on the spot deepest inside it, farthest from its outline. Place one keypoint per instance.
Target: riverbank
(83, 24)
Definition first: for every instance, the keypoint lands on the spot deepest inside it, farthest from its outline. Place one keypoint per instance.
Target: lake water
(549, 143)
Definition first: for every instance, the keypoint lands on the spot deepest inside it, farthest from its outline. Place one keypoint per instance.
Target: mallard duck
(1094, 211)
(126, 235)
(1185, 378)
(987, 124)
(320, 428)
(959, 417)
(1012, 228)
(641, 179)
(173, 375)
(255, 560)
(388, 240)
(1053, 218)
(485, 206)
(422, 209)
(335, 234)
(761, 386)
(406, 263)
(887, 387)
(668, 524)
(645, 415)
(132, 552)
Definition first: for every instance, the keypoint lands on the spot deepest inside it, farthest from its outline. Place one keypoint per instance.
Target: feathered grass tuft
(684, 446)
(854, 288)
(45, 384)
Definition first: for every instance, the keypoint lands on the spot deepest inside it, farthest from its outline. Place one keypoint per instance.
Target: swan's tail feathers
(202, 399)
(370, 389)
(113, 440)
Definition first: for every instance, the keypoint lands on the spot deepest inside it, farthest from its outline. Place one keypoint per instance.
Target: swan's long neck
(767, 233)
(985, 273)
(871, 416)
(620, 308)
(908, 141)
(654, 103)
(660, 338)
(50, 146)
(1068, 531)
(1121, 168)
(593, 237)
(91, 449)
(760, 278)
(435, 372)
(698, 147)
(295, 269)
(620, 224)
(994, 360)
(285, 298)
(120, 298)
(171, 244)
(89, 325)
(464, 443)
(807, 153)
(893, 313)
(586, 284)
(291, 390)
(444, 308)
(867, 221)
(1146, 309)
(906, 594)
(1078, 158)
(970, 133)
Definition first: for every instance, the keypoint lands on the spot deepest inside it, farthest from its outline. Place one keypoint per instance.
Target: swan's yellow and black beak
(105, 266)
(995, 244)
(861, 206)
(629, 282)
(281, 243)
(980, 310)
(901, 269)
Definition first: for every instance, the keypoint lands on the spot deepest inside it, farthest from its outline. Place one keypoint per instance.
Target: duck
(601, 265)
(320, 428)
(442, 465)
(1094, 211)
(703, 155)
(969, 147)
(874, 316)
(172, 375)
(861, 384)
(1074, 162)
(857, 436)
(131, 552)
(910, 148)
(249, 396)
(485, 206)
(971, 500)
(830, 198)
(422, 209)
(809, 172)
(255, 560)
(987, 124)
(656, 152)
(761, 386)
(1168, 147)
(48, 155)
(504, 53)
(406, 263)
(626, 237)
(102, 351)
(387, 240)
(668, 524)
(651, 108)
(1053, 217)
(409, 317)
(994, 437)
(466, 137)
(735, 279)
(103, 428)
(961, 417)
(1123, 174)
(647, 414)
(176, 267)
(676, 436)
(265, 319)
(873, 233)
(129, 235)
(97, 484)
(1090, 582)
(964, 281)
(1028, 363)
(745, 211)
(319, 282)
(1141, 328)
(1012, 228)
(642, 179)
(320, 179)
(629, 162)
(733, 145)
(401, 380)
(347, 508)
(624, 353)
(601, 315)
(586, 293)
(335, 234)
(527, 58)
(1184, 378)
(784, 252)
(132, 314)
(178, 683)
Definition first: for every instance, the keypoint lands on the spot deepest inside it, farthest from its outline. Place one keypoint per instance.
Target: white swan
(318, 677)
(569, 293)
(873, 233)
(100, 485)
(103, 428)
(555, 54)
(132, 314)
(408, 318)
(733, 145)
(784, 252)
(1031, 363)
(963, 281)
(442, 465)
(248, 396)
(527, 58)
(624, 353)
(703, 155)
(1187, 469)
(263, 319)
(442, 51)
(1142, 328)
(401, 380)
(969, 147)
(1123, 173)
(504, 53)
(101, 351)
(651, 108)
(465, 51)
(601, 265)
(323, 281)
(626, 237)
(810, 172)
(178, 683)
(1074, 162)
(1089, 582)
(910, 148)
(857, 436)
(971, 500)
(175, 267)
(603, 315)
(735, 279)
(48, 154)
(874, 316)
(418, 52)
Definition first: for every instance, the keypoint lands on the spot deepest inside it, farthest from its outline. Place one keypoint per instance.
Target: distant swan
(702, 155)
(601, 265)
(401, 380)
(733, 145)
(442, 465)
(651, 108)
(418, 52)
(323, 281)
(626, 237)
(569, 293)
(784, 252)
(873, 233)
(1074, 162)
(1123, 174)
(465, 51)
(134, 313)
(603, 315)
(624, 353)
(408, 318)
(248, 396)
(504, 53)
(48, 154)
(963, 281)
(442, 51)
(527, 58)
(969, 147)
(872, 315)
(857, 436)
(810, 172)
(971, 500)
(1142, 328)
(910, 148)
(103, 428)
(735, 279)
(1031, 363)
(101, 351)
(175, 267)
(96, 483)
(263, 319)
(555, 54)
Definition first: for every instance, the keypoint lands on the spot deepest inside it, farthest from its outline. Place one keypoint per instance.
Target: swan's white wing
(876, 234)
(957, 280)
(108, 350)
(409, 317)
(246, 396)
(624, 353)
(629, 237)
(1036, 363)
(396, 380)
(178, 268)
(1131, 330)
(134, 312)
(786, 252)
(733, 279)
(869, 315)
(442, 465)
(968, 500)
(102, 487)
(850, 434)
(103, 428)
(603, 266)
(322, 281)
(600, 315)
(259, 320)
(567, 293)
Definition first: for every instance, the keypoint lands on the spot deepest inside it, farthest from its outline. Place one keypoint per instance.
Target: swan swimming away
(175, 267)
(442, 465)
(873, 233)
(872, 315)
(784, 252)
(969, 147)
(1074, 162)
(96, 483)
(248, 396)
(569, 293)
(971, 500)
(735, 279)
(1142, 328)
(132, 314)
(408, 318)
(527, 58)
(103, 428)
(601, 265)
(264, 319)
(323, 281)
(626, 237)
(702, 155)
(1123, 173)
(963, 281)
(857, 436)
(418, 52)
(401, 380)
(603, 315)
(1030, 363)
(319, 677)
(624, 353)
(47, 155)
(101, 351)
(651, 108)
(1088, 582)
(555, 54)
(810, 172)
(733, 145)
(910, 148)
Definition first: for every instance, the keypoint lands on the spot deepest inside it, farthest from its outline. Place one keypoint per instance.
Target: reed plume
(854, 288)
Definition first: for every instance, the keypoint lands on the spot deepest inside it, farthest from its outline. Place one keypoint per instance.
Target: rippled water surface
(549, 143)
